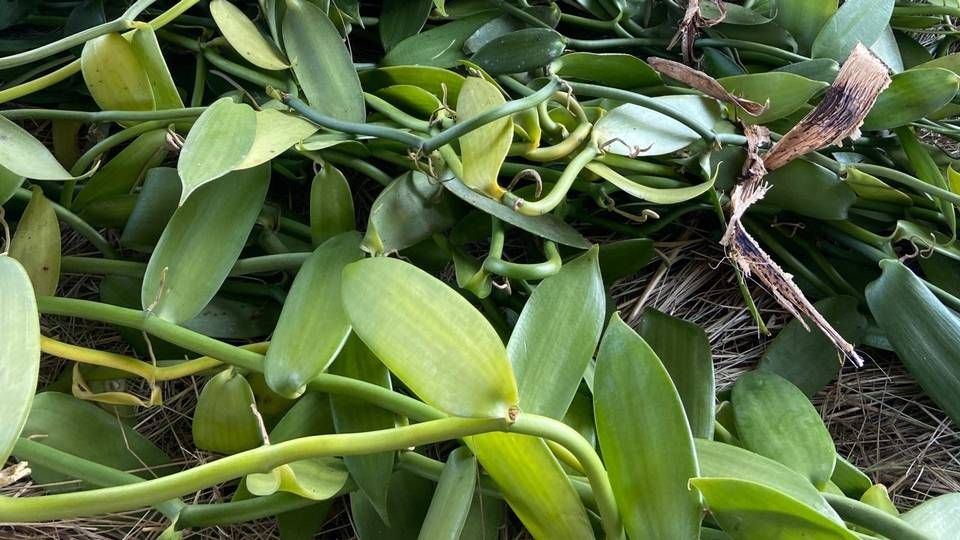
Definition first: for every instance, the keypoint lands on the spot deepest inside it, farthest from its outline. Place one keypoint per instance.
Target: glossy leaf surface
(483, 150)
(19, 350)
(244, 36)
(218, 143)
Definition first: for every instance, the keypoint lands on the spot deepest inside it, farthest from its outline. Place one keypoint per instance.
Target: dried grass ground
(877, 414)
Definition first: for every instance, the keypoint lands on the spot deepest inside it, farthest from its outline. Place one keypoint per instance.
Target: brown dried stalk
(699, 80)
(838, 116)
(693, 20)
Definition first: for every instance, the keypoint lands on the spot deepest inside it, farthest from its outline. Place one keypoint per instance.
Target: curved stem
(559, 190)
(524, 271)
(65, 43)
(564, 148)
(258, 460)
(354, 128)
(873, 519)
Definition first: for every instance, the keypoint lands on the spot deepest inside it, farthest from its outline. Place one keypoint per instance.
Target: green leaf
(878, 497)
(316, 479)
(938, 518)
(411, 209)
(684, 349)
(201, 243)
(441, 46)
(547, 226)
(411, 99)
(539, 47)
(719, 460)
(452, 500)
(872, 188)
(851, 480)
(817, 69)
(125, 171)
(807, 358)
(483, 150)
(350, 415)
(276, 132)
(926, 169)
(19, 351)
(804, 18)
(651, 194)
(83, 429)
(748, 510)
(36, 244)
(808, 189)
(924, 332)
(147, 50)
(409, 499)
(400, 19)
(22, 155)
(775, 419)
(912, 95)
(223, 421)
(244, 36)
(649, 467)
(622, 258)
(856, 21)
(887, 50)
(115, 76)
(533, 484)
(431, 79)
(556, 335)
(951, 62)
(430, 337)
(217, 143)
(292, 361)
(156, 203)
(784, 93)
(645, 132)
(331, 205)
(9, 183)
(329, 80)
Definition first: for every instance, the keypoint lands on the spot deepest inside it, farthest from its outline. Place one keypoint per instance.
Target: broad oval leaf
(350, 415)
(224, 421)
(441, 46)
(115, 76)
(276, 132)
(452, 500)
(147, 50)
(649, 467)
(430, 337)
(804, 19)
(201, 243)
(312, 308)
(156, 203)
(807, 358)
(808, 189)
(557, 334)
(923, 331)
(533, 484)
(244, 36)
(684, 349)
(783, 93)
(36, 244)
(719, 460)
(409, 499)
(748, 510)
(431, 79)
(411, 209)
(618, 70)
(83, 429)
(816, 69)
(331, 205)
(218, 143)
(938, 518)
(912, 95)
(400, 19)
(644, 132)
(9, 183)
(520, 51)
(19, 351)
(328, 78)
(775, 419)
(411, 99)
(857, 21)
(484, 149)
(25, 156)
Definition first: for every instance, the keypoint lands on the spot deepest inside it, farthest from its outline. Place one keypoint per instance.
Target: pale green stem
(874, 519)
(559, 190)
(103, 116)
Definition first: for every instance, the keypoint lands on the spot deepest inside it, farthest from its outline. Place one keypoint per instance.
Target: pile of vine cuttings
(379, 240)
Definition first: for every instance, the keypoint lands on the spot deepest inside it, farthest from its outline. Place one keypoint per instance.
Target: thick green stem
(354, 128)
(559, 190)
(258, 460)
(103, 116)
(526, 271)
(616, 43)
(872, 518)
(285, 262)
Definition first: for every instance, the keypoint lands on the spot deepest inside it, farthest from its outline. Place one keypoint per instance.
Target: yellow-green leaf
(430, 337)
(201, 243)
(276, 132)
(19, 351)
(645, 438)
(244, 36)
(452, 500)
(218, 143)
(147, 50)
(483, 150)
(312, 308)
(125, 170)
(36, 244)
(115, 76)
(331, 205)
(25, 156)
(223, 421)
